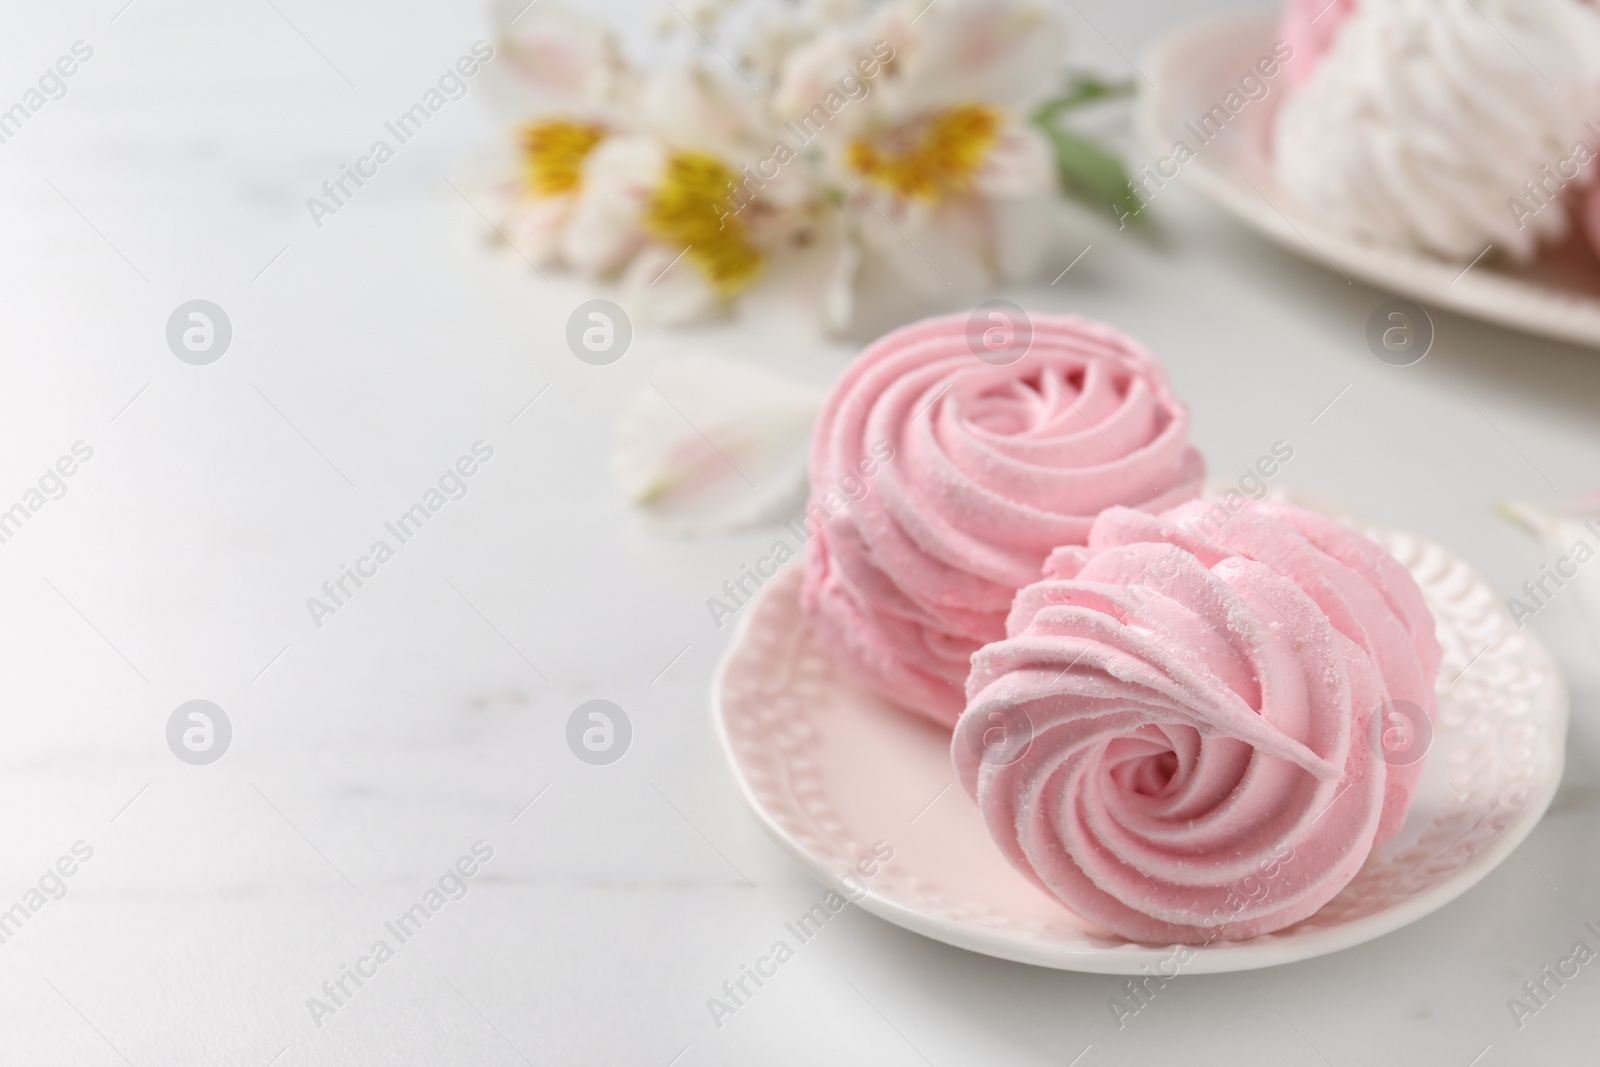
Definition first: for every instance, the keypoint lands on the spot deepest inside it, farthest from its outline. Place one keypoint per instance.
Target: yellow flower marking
(694, 208)
(553, 154)
(932, 158)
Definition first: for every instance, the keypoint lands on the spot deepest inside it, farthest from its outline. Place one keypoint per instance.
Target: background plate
(1559, 296)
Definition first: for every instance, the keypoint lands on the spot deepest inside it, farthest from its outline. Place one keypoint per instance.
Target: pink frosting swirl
(1175, 737)
(989, 468)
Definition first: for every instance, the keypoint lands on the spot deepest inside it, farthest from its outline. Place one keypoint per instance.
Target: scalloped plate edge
(1268, 950)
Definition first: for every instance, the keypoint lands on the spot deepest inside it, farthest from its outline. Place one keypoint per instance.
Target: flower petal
(606, 226)
(693, 106)
(662, 286)
(711, 445)
(557, 60)
(1003, 52)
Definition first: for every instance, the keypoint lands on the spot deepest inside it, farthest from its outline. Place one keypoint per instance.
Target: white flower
(896, 148)
(922, 119)
(563, 80)
(671, 211)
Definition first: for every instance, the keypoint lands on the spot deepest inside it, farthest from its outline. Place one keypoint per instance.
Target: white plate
(1193, 70)
(830, 770)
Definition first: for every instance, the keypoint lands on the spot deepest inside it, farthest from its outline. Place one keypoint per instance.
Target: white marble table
(370, 753)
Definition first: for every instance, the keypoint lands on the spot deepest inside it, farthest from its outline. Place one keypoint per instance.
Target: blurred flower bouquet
(839, 148)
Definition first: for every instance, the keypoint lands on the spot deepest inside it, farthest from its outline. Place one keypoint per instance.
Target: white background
(374, 751)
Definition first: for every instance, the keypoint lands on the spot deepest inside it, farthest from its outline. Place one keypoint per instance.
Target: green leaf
(1081, 91)
(1088, 172)
(1093, 175)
